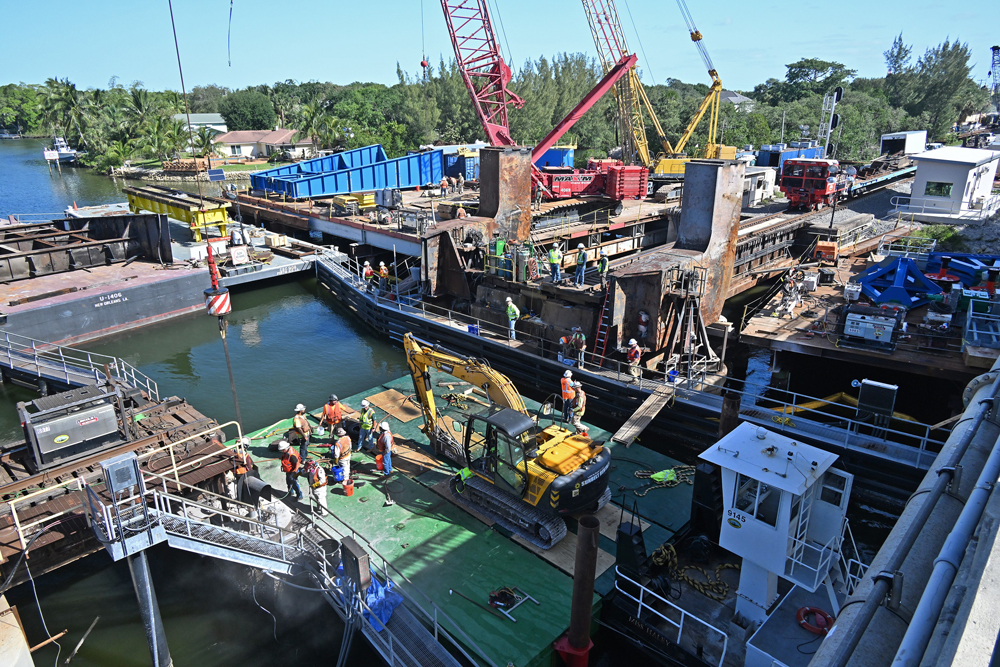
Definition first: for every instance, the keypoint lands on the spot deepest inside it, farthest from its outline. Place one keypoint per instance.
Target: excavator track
(541, 529)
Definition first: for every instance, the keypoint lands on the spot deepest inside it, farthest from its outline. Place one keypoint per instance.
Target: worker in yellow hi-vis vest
(513, 314)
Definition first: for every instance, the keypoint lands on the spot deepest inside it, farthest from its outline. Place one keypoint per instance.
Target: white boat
(60, 151)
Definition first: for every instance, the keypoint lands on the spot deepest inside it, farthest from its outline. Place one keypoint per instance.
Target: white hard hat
(603, 252)
(365, 403)
(576, 383)
(300, 407)
(282, 446)
(632, 341)
(367, 264)
(568, 374)
(384, 426)
(509, 300)
(381, 263)
(579, 245)
(341, 431)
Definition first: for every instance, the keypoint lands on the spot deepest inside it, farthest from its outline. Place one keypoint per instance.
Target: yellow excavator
(523, 476)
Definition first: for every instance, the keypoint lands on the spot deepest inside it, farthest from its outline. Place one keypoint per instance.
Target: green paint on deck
(440, 547)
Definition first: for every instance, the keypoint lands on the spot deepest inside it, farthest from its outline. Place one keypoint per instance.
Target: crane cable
(639, 39)
(503, 31)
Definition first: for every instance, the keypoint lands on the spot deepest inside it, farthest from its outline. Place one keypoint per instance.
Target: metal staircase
(254, 537)
(603, 325)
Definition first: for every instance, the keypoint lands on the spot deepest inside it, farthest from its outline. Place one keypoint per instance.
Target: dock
(440, 547)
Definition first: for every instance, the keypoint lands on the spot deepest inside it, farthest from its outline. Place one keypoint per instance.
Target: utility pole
(782, 127)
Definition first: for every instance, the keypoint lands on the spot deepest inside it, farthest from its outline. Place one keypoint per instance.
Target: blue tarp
(381, 599)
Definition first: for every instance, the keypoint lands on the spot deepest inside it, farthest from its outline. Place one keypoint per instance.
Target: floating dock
(440, 547)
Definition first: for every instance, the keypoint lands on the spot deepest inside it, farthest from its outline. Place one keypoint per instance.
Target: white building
(213, 121)
(741, 102)
(262, 143)
(907, 143)
(952, 185)
(758, 185)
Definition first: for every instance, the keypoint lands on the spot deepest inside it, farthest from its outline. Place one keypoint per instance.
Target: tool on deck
(507, 599)
(478, 604)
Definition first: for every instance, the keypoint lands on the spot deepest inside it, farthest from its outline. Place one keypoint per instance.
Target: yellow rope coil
(712, 587)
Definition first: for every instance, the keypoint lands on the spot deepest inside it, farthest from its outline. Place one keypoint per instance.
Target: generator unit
(867, 328)
(66, 426)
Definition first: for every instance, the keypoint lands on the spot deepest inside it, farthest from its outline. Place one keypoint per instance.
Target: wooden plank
(396, 405)
(641, 418)
(563, 554)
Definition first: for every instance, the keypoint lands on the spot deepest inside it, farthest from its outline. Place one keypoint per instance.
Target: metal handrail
(70, 360)
(826, 552)
(697, 381)
(643, 592)
(931, 205)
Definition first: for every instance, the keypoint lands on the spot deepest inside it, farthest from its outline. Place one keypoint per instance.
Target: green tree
(248, 110)
(207, 99)
(204, 143)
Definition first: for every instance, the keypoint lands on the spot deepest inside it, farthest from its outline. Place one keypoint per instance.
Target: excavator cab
(497, 447)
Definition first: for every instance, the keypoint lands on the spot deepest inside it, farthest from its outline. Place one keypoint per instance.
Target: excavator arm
(422, 357)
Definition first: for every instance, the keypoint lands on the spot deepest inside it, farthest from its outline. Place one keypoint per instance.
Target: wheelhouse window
(935, 189)
(759, 500)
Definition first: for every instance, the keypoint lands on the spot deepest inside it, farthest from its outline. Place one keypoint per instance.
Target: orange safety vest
(633, 354)
(567, 391)
(317, 478)
(332, 413)
(385, 440)
(383, 271)
(368, 272)
(289, 461)
(343, 446)
(243, 465)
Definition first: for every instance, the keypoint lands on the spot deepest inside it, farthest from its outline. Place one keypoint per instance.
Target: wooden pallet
(641, 418)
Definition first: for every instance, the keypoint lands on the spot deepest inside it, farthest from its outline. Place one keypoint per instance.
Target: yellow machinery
(523, 477)
(631, 99)
(200, 215)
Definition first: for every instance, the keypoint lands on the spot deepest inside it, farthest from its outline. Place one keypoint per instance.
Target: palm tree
(312, 121)
(156, 138)
(141, 105)
(177, 136)
(204, 143)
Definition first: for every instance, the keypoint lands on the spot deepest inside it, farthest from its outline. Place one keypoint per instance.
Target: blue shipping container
(556, 157)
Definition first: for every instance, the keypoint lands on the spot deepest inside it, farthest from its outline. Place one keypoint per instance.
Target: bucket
(338, 473)
(378, 462)
(349, 488)
(672, 376)
(320, 431)
(474, 329)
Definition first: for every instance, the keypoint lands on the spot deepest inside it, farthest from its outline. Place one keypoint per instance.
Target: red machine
(486, 75)
(813, 184)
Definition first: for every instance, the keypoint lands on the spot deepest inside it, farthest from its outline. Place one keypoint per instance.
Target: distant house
(741, 102)
(214, 121)
(262, 143)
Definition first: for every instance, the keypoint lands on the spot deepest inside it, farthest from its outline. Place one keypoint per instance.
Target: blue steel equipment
(359, 170)
(897, 280)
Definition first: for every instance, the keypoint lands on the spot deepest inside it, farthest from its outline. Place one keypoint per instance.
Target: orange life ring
(823, 620)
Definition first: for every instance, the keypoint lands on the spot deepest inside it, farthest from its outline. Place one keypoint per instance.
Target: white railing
(643, 605)
(822, 555)
(982, 324)
(853, 568)
(71, 365)
(949, 207)
(914, 247)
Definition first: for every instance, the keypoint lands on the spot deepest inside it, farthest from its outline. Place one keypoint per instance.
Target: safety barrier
(71, 365)
(945, 207)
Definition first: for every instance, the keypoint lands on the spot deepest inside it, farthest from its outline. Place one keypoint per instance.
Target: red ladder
(601, 339)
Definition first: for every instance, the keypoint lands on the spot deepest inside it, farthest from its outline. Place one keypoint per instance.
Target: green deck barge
(439, 546)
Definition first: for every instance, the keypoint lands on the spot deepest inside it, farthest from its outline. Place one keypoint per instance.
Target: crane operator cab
(554, 470)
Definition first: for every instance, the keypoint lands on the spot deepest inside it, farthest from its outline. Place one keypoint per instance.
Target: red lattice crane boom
(483, 69)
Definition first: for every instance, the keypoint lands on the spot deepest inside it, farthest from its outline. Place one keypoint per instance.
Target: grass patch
(949, 239)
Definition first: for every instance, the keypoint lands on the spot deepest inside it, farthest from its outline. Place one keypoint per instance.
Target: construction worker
(579, 343)
(460, 213)
(367, 274)
(383, 276)
(340, 452)
(461, 183)
(555, 259)
(367, 423)
(290, 463)
(317, 486)
(579, 407)
(602, 269)
(444, 186)
(300, 424)
(386, 445)
(451, 185)
(566, 385)
(581, 264)
(332, 413)
(634, 354)
(513, 313)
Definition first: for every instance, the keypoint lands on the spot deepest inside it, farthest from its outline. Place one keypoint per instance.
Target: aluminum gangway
(30, 359)
(280, 541)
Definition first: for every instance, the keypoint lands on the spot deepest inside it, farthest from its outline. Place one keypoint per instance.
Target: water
(28, 186)
(290, 342)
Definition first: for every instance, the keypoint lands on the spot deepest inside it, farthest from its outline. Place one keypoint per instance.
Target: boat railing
(71, 365)
(914, 446)
(432, 613)
(852, 567)
(982, 324)
(646, 601)
(814, 558)
(26, 530)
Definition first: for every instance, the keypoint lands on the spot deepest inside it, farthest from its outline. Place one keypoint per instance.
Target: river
(290, 342)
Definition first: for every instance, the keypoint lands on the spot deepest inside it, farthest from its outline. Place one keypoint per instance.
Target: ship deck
(440, 547)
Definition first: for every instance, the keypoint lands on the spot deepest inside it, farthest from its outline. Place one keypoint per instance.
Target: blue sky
(334, 40)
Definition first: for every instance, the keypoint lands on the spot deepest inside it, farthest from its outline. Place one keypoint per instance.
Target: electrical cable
(38, 603)
(304, 588)
(24, 553)
(253, 592)
(639, 39)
